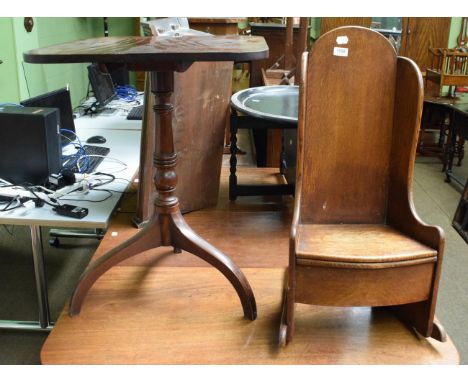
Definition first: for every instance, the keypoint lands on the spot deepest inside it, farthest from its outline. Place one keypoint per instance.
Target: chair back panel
(349, 103)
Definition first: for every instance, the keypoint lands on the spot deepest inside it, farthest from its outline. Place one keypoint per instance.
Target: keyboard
(88, 162)
(136, 113)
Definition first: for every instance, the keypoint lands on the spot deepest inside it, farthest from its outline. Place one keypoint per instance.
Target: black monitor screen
(61, 100)
(101, 82)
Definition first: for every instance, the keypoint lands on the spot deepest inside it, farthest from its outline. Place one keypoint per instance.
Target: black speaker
(30, 147)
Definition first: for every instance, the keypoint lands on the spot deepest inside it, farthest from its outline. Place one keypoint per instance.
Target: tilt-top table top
(151, 52)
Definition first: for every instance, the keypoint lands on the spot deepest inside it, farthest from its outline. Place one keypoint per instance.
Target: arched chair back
(348, 122)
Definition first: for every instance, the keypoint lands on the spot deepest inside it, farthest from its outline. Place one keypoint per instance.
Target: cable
(93, 187)
(20, 204)
(12, 208)
(9, 203)
(39, 198)
(72, 132)
(127, 93)
(69, 161)
(78, 155)
(6, 183)
(45, 189)
(70, 141)
(107, 181)
(112, 179)
(29, 187)
(110, 194)
(105, 157)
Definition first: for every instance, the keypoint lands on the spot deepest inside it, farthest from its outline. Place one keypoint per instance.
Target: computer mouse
(96, 139)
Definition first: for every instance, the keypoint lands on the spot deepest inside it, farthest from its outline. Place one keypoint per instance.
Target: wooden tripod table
(162, 56)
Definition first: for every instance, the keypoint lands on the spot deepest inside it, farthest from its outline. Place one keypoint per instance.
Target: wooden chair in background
(356, 239)
(290, 72)
(449, 67)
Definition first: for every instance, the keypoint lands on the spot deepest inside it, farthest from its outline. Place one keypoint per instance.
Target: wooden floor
(165, 308)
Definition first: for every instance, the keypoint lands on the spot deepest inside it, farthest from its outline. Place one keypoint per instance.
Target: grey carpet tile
(18, 299)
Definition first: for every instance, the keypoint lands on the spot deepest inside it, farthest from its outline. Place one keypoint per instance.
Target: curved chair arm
(300, 156)
(401, 212)
(402, 215)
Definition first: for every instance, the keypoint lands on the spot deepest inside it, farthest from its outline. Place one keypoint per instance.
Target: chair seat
(358, 243)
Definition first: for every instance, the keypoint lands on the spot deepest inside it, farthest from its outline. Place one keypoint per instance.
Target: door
(329, 23)
(421, 33)
(9, 88)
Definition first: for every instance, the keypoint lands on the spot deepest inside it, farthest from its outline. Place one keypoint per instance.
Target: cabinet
(329, 23)
(216, 25)
(418, 34)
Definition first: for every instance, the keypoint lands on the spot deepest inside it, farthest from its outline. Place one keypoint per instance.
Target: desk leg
(144, 209)
(167, 227)
(41, 284)
(44, 323)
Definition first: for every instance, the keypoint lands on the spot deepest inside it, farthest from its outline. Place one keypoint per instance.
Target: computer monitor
(61, 100)
(102, 85)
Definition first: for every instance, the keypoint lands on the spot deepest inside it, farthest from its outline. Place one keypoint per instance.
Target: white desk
(115, 121)
(124, 145)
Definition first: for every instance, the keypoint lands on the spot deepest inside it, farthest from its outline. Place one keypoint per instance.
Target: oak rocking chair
(356, 239)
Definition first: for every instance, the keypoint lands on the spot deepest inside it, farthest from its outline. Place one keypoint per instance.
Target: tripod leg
(185, 238)
(149, 237)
